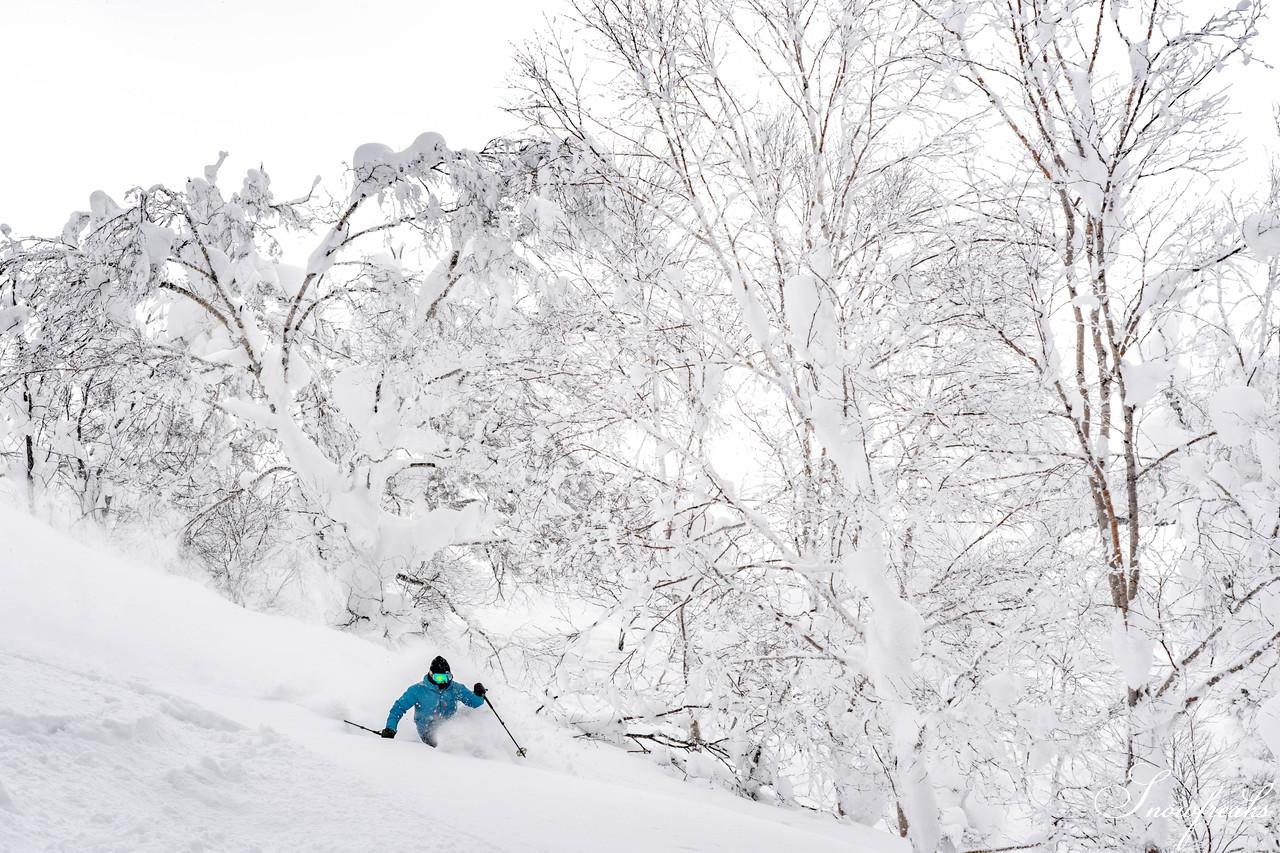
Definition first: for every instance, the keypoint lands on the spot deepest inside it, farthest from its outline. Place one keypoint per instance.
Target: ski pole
(520, 750)
(358, 726)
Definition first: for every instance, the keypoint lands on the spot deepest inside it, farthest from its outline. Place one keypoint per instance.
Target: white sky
(108, 94)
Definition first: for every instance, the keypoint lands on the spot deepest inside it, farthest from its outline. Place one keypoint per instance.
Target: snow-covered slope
(141, 712)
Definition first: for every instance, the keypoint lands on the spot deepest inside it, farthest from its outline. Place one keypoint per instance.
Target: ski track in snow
(130, 768)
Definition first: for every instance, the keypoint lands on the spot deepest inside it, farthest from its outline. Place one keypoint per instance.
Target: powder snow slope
(141, 712)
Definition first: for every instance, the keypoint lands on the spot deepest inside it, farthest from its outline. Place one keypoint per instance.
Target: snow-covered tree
(760, 229)
(1114, 124)
(350, 379)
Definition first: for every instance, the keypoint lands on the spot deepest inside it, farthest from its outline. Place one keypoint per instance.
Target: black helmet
(439, 674)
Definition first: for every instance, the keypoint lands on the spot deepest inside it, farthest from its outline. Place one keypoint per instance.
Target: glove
(388, 732)
(479, 689)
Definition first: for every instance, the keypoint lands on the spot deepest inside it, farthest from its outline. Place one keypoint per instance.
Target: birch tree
(1112, 117)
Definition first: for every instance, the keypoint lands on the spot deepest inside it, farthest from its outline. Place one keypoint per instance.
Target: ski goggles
(441, 677)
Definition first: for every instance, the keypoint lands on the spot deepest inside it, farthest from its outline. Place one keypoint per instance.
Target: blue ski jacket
(431, 705)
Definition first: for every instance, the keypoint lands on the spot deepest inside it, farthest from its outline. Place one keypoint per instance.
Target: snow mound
(1262, 235)
(377, 166)
(1235, 412)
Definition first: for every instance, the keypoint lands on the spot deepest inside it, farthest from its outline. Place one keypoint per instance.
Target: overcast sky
(108, 94)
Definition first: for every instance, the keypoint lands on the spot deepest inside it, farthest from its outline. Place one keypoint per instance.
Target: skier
(434, 700)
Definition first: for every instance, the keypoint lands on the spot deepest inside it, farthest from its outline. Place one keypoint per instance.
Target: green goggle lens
(441, 677)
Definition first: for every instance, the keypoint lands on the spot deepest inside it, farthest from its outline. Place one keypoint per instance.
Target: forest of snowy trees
(867, 405)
